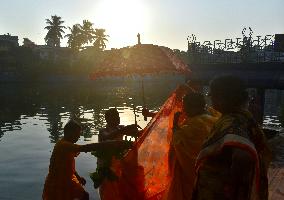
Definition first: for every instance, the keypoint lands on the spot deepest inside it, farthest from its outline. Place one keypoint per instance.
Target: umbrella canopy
(140, 59)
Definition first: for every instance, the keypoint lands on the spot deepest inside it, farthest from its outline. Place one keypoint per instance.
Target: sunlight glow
(122, 20)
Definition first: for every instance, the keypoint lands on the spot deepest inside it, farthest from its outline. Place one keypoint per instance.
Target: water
(32, 117)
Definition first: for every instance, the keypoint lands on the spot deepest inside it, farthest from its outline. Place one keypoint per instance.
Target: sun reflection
(122, 19)
(127, 117)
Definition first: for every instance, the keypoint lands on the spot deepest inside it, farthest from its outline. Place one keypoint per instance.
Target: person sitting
(187, 141)
(62, 181)
(112, 132)
(233, 162)
(113, 129)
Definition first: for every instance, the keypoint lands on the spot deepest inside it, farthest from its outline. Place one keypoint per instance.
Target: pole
(143, 97)
(135, 117)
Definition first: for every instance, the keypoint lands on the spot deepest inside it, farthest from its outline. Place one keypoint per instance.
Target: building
(279, 42)
(8, 42)
(46, 52)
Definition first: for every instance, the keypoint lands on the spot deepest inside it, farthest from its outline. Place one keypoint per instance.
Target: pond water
(32, 117)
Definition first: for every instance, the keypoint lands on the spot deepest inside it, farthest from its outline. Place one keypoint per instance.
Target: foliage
(81, 35)
(28, 43)
(181, 54)
(75, 38)
(100, 38)
(55, 31)
(87, 31)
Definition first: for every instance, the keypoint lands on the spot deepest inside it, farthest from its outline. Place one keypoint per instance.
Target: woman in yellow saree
(186, 144)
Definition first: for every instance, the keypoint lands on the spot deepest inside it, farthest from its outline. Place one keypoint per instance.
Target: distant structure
(138, 37)
(46, 52)
(7, 42)
(279, 42)
(245, 49)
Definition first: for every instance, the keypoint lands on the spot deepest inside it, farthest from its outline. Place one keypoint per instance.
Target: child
(62, 181)
(113, 129)
(112, 132)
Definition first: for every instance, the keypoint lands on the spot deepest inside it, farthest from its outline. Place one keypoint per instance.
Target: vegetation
(87, 32)
(100, 38)
(55, 31)
(75, 39)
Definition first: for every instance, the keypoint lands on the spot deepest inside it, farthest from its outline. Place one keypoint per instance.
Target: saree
(233, 131)
(144, 173)
(187, 142)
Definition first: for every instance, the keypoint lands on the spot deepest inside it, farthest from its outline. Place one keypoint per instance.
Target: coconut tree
(75, 38)
(55, 31)
(87, 31)
(100, 38)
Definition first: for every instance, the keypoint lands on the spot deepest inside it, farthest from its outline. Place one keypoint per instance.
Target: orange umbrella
(140, 59)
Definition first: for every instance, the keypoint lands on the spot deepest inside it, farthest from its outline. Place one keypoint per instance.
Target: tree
(80, 35)
(100, 38)
(28, 43)
(55, 30)
(75, 38)
(87, 31)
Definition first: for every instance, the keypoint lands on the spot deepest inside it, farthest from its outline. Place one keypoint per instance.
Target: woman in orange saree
(62, 181)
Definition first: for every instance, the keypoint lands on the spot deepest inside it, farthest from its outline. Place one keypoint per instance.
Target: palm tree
(87, 31)
(75, 38)
(100, 38)
(55, 30)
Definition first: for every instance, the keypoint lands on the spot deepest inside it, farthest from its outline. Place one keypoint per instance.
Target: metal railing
(247, 49)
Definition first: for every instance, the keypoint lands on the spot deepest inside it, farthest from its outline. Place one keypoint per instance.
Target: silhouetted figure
(112, 132)
(62, 181)
(254, 107)
(138, 37)
(113, 129)
(233, 162)
(186, 143)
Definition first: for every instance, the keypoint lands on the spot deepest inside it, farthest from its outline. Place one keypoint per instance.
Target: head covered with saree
(228, 93)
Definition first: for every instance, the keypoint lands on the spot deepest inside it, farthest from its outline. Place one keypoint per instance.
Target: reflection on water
(56, 104)
(32, 118)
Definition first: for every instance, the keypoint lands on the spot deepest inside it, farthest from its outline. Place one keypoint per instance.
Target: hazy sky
(162, 22)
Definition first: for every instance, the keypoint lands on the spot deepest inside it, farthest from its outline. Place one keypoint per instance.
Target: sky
(160, 22)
